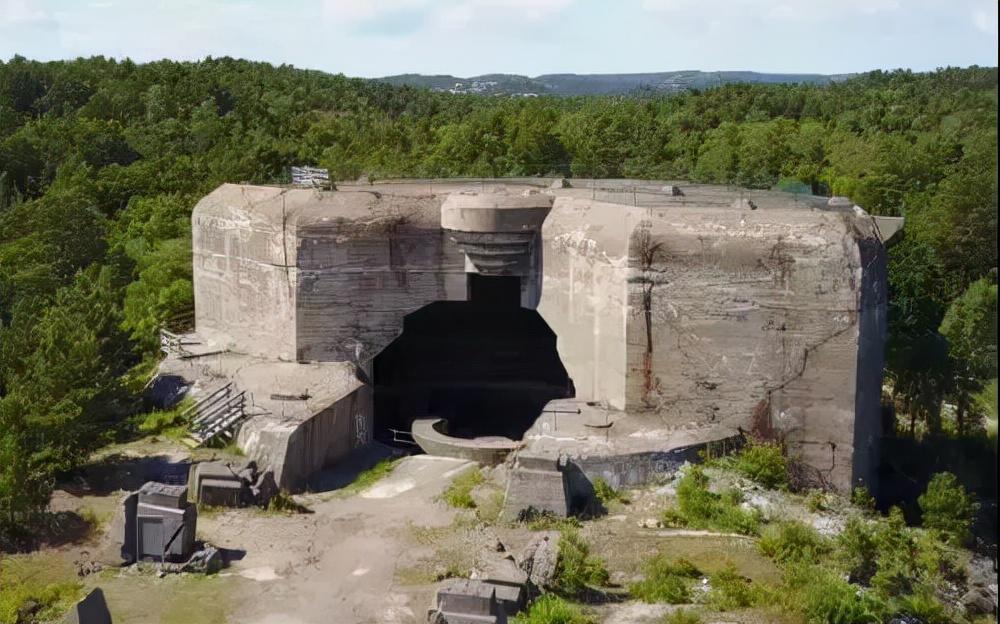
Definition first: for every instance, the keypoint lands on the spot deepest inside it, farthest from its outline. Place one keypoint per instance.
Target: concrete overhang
(890, 229)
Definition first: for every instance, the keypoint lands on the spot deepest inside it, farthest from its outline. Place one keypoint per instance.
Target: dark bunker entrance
(486, 365)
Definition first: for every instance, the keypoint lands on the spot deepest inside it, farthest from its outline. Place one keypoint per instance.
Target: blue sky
(467, 37)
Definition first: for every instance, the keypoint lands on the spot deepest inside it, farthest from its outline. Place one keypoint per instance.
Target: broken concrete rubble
(218, 484)
(93, 609)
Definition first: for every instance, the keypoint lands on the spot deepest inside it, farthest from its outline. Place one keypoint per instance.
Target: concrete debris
(979, 601)
(208, 560)
(508, 581)
(218, 484)
(538, 560)
(93, 609)
(467, 601)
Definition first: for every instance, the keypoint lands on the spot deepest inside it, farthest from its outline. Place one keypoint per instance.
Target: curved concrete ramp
(429, 434)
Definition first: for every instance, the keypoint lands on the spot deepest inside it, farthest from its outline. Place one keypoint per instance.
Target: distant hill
(598, 84)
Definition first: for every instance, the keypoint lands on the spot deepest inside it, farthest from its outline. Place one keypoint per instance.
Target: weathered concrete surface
(724, 308)
(487, 451)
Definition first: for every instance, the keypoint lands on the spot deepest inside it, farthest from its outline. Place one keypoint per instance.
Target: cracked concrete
(727, 308)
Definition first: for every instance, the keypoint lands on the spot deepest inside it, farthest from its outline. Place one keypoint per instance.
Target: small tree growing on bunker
(947, 508)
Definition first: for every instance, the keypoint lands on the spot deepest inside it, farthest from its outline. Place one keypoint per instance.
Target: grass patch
(577, 572)
(284, 503)
(700, 508)
(26, 602)
(608, 495)
(682, 616)
(792, 542)
(368, 478)
(459, 492)
(762, 462)
(551, 609)
(730, 591)
(169, 423)
(544, 520)
(665, 581)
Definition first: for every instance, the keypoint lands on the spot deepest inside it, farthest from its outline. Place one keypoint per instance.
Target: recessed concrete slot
(486, 366)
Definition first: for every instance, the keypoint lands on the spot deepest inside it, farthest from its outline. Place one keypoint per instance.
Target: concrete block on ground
(468, 601)
(508, 581)
(165, 532)
(543, 491)
(93, 609)
(221, 493)
(208, 470)
(163, 495)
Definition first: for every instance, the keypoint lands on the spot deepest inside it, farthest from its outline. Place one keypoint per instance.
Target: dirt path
(339, 563)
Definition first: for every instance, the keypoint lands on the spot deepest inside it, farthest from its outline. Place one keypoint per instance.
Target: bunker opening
(487, 366)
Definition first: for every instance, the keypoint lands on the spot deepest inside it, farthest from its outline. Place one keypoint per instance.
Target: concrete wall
(244, 285)
(584, 294)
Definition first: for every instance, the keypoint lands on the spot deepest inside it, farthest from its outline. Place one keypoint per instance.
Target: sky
(372, 38)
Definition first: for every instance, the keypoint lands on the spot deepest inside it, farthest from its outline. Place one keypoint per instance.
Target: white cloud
(21, 12)
(985, 19)
(792, 10)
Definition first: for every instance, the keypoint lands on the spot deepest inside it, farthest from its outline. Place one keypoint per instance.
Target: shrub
(816, 501)
(665, 581)
(861, 497)
(607, 494)
(730, 591)
(51, 600)
(858, 551)
(699, 507)
(825, 598)
(792, 541)
(682, 616)
(948, 509)
(763, 462)
(551, 609)
(576, 570)
(459, 492)
(923, 605)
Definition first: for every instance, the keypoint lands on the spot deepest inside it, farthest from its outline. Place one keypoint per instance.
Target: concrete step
(542, 490)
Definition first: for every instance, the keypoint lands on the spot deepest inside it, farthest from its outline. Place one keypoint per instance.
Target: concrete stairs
(536, 483)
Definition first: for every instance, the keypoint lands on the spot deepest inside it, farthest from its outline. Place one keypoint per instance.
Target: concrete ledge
(429, 434)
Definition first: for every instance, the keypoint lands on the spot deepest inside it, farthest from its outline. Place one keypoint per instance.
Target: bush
(607, 494)
(682, 616)
(730, 591)
(792, 541)
(665, 581)
(459, 492)
(861, 497)
(948, 509)
(576, 571)
(701, 508)
(52, 600)
(923, 605)
(551, 609)
(763, 462)
(825, 598)
(858, 550)
(816, 501)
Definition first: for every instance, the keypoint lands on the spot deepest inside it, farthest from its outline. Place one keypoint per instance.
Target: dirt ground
(373, 556)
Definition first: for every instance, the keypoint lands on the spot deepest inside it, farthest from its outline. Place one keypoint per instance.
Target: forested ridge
(101, 162)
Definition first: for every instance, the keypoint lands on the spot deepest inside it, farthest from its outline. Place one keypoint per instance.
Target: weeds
(49, 601)
(551, 609)
(283, 503)
(665, 581)
(763, 462)
(606, 494)
(700, 508)
(682, 616)
(459, 491)
(544, 520)
(370, 477)
(577, 572)
(730, 591)
(792, 542)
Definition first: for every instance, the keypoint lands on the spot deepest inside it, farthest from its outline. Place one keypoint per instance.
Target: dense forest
(101, 162)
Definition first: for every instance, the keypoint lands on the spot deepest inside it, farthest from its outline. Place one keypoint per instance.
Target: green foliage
(861, 497)
(824, 598)
(551, 609)
(682, 616)
(52, 600)
(169, 422)
(577, 572)
(545, 520)
(371, 476)
(792, 542)
(947, 508)
(665, 580)
(700, 508)
(730, 590)
(606, 494)
(458, 494)
(763, 462)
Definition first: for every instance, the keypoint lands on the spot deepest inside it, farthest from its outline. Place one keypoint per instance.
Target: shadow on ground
(347, 470)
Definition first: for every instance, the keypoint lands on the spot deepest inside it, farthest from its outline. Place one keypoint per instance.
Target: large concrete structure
(671, 314)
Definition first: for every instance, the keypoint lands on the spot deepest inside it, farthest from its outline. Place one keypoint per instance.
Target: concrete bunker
(344, 313)
(486, 366)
